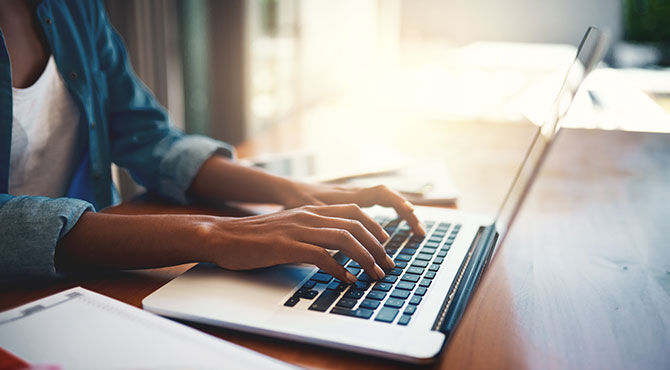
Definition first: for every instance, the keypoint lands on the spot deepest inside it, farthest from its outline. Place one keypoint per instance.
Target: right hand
(299, 235)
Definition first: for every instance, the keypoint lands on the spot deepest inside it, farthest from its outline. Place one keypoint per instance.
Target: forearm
(101, 240)
(221, 178)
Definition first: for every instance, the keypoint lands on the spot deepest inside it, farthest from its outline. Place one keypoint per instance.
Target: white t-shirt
(44, 135)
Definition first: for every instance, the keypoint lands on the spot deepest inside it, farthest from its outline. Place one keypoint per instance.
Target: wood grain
(582, 282)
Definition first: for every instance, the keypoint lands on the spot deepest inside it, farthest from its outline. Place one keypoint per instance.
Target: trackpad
(240, 289)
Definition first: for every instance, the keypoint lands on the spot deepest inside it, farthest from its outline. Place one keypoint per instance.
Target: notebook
(80, 329)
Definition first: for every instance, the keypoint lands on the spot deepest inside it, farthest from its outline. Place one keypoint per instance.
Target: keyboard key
(430, 275)
(346, 303)
(432, 244)
(438, 260)
(376, 295)
(420, 291)
(409, 310)
(404, 319)
(354, 264)
(365, 277)
(420, 263)
(362, 285)
(292, 301)
(425, 282)
(394, 302)
(385, 287)
(442, 253)
(428, 250)
(424, 256)
(306, 293)
(415, 270)
(403, 257)
(400, 293)
(415, 300)
(408, 250)
(434, 239)
(325, 300)
(354, 270)
(341, 258)
(411, 277)
(309, 285)
(386, 314)
(434, 267)
(337, 285)
(401, 264)
(395, 272)
(417, 238)
(361, 313)
(370, 304)
(390, 279)
(405, 285)
(354, 294)
(321, 277)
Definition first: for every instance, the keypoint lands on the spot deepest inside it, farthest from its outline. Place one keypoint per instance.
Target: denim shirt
(120, 122)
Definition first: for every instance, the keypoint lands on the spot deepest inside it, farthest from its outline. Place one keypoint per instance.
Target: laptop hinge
(466, 280)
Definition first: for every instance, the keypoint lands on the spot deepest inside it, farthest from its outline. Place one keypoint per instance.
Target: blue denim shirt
(120, 122)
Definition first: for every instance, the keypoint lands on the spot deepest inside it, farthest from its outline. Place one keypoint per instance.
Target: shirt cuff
(31, 228)
(183, 161)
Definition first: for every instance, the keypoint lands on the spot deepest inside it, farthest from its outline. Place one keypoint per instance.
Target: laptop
(407, 316)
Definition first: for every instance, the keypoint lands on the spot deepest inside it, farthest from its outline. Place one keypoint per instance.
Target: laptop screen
(588, 56)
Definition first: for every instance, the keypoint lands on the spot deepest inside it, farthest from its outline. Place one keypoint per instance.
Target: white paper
(80, 329)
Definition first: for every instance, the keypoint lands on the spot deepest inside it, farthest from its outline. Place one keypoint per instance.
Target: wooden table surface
(583, 281)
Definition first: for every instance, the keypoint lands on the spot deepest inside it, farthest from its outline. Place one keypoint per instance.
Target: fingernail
(409, 205)
(390, 262)
(386, 235)
(350, 277)
(380, 272)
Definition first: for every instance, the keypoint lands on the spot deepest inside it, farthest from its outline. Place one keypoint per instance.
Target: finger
(341, 239)
(354, 212)
(386, 197)
(308, 253)
(359, 232)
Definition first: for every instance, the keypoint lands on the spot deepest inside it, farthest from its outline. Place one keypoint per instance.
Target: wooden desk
(582, 282)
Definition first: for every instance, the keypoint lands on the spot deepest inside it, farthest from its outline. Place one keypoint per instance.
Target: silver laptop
(408, 315)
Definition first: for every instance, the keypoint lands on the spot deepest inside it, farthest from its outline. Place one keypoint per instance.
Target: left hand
(323, 194)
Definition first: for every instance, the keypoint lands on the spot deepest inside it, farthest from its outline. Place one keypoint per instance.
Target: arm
(299, 235)
(223, 179)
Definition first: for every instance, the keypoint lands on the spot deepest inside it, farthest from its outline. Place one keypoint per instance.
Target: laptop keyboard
(396, 297)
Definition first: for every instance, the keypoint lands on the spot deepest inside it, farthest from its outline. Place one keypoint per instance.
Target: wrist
(285, 191)
(198, 238)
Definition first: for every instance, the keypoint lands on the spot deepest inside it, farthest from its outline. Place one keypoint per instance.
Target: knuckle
(321, 255)
(344, 236)
(302, 215)
(356, 225)
(354, 207)
(381, 187)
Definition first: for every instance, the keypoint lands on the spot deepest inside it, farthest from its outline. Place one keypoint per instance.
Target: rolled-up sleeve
(183, 160)
(30, 228)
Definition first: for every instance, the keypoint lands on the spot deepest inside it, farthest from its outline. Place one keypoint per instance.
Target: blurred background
(236, 70)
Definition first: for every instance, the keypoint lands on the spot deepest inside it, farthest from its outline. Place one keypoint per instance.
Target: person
(70, 105)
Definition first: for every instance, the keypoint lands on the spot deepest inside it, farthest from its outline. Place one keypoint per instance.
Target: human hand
(299, 235)
(302, 194)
